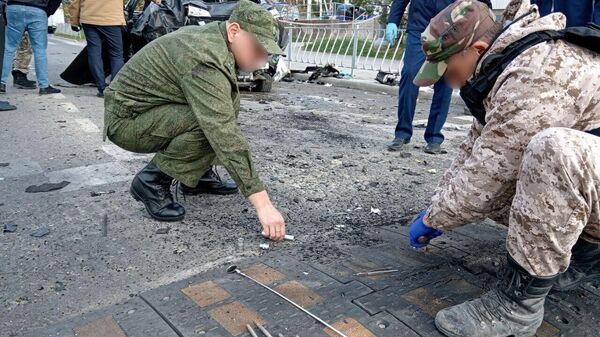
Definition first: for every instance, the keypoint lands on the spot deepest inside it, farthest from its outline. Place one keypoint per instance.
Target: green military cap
(451, 31)
(260, 23)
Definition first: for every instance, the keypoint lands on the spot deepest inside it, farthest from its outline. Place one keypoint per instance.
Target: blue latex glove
(391, 33)
(419, 230)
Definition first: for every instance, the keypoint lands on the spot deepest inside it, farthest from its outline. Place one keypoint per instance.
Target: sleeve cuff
(440, 219)
(251, 187)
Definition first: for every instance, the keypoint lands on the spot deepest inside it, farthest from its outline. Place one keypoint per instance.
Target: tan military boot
(515, 307)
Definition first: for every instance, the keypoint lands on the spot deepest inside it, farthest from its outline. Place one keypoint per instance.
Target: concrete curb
(373, 86)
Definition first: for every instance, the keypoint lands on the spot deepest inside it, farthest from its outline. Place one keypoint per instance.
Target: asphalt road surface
(320, 150)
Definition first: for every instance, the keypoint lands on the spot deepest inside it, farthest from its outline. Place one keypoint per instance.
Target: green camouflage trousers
(23, 55)
(557, 200)
(172, 132)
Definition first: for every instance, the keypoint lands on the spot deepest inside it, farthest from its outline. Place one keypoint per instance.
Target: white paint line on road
(87, 125)
(447, 126)
(465, 118)
(57, 96)
(58, 40)
(123, 155)
(93, 175)
(69, 107)
(20, 168)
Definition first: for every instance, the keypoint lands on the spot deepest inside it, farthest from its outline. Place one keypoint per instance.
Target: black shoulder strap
(474, 92)
(587, 37)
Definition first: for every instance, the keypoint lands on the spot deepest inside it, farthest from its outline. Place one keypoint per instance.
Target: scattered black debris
(405, 154)
(99, 193)
(263, 101)
(58, 286)
(42, 231)
(326, 71)
(387, 78)
(4, 164)
(288, 78)
(338, 156)
(47, 187)
(164, 230)
(10, 228)
(61, 121)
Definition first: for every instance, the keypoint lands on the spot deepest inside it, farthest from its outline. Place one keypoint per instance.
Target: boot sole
(451, 334)
(138, 198)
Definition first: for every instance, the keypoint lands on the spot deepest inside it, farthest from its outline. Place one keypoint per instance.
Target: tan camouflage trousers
(557, 200)
(23, 55)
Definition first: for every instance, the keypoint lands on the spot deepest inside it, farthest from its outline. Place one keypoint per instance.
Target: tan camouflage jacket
(553, 84)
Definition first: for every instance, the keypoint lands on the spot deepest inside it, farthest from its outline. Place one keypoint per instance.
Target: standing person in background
(20, 67)
(578, 13)
(102, 21)
(4, 105)
(29, 16)
(419, 14)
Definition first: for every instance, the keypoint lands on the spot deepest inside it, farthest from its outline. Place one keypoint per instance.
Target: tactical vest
(476, 90)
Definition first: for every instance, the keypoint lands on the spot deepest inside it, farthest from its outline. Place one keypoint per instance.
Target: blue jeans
(113, 38)
(33, 20)
(407, 98)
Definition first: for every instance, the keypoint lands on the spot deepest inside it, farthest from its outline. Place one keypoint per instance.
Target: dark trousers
(112, 37)
(407, 98)
(578, 12)
(2, 38)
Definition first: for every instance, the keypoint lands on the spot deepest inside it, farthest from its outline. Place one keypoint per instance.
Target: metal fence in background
(352, 47)
(333, 11)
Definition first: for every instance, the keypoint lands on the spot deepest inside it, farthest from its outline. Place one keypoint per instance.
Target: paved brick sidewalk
(458, 266)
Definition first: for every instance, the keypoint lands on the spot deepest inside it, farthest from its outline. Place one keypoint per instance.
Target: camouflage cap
(451, 31)
(260, 23)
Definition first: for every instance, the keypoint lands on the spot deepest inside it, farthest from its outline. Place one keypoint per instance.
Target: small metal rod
(262, 328)
(234, 269)
(105, 225)
(377, 272)
(251, 331)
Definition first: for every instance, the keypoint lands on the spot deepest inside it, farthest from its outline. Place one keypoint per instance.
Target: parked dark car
(153, 21)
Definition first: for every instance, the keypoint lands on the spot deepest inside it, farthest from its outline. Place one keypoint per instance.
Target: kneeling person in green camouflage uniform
(178, 97)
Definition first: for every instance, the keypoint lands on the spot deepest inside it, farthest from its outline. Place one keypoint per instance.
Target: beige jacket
(553, 84)
(97, 12)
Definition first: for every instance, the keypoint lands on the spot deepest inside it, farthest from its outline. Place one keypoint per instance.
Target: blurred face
(461, 66)
(248, 53)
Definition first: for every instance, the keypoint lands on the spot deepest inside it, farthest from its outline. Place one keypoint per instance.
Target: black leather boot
(515, 307)
(21, 81)
(49, 90)
(153, 187)
(585, 266)
(211, 183)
